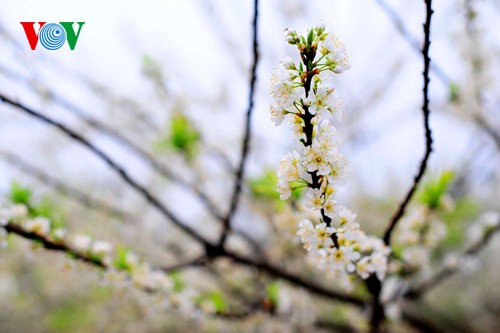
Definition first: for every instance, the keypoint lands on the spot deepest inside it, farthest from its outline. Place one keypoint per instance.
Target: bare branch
(246, 138)
(198, 261)
(150, 198)
(428, 134)
(420, 324)
(488, 129)
(400, 26)
(115, 135)
(295, 279)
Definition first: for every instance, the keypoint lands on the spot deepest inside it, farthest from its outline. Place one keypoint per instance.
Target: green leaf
(217, 299)
(298, 191)
(433, 190)
(454, 92)
(179, 283)
(71, 317)
(273, 291)
(121, 262)
(183, 137)
(20, 194)
(47, 208)
(464, 210)
(264, 186)
(310, 37)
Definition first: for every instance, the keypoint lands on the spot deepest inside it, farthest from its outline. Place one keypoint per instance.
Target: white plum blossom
(288, 172)
(4, 217)
(335, 244)
(314, 199)
(331, 208)
(59, 233)
(38, 225)
(486, 222)
(81, 242)
(316, 160)
(417, 257)
(19, 211)
(365, 268)
(335, 52)
(101, 248)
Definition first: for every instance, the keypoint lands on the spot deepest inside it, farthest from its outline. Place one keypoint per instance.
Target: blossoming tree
(371, 276)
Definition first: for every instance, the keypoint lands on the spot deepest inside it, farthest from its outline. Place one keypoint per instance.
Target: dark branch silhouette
(428, 134)
(150, 198)
(400, 26)
(119, 138)
(238, 183)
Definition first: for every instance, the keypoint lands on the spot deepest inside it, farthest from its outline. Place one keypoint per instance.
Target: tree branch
(400, 26)
(115, 135)
(296, 280)
(446, 272)
(488, 129)
(246, 138)
(419, 323)
(58, 246)
(150, 198)
(428, 134)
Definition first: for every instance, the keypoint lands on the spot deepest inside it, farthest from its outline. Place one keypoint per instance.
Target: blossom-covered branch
(303, 96)
(479, 236)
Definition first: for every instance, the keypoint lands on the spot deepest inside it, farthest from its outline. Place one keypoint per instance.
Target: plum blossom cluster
(303, 97)
(98, 251)
(419, 233)
(123, 268)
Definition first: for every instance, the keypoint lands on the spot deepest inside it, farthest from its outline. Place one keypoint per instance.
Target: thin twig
(47, 243)
(73, 193)
(488, 129)
(150, 198)
(235, 198)
(428, 134)
(398, 22)
(115, 135)
(419, 323)
(199, 261)
(295, 279)
(446, 272)
(213, 251)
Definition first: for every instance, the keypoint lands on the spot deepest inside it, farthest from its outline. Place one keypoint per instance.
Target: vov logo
(52, 36)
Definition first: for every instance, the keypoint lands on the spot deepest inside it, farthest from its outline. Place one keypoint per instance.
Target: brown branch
(420, 324)
(295, 279)
(428, 134)
(150, 198)
(115, 135)
(198, 261)
(51, 245)
(263, 266)
(246, 138)
(488, 129)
